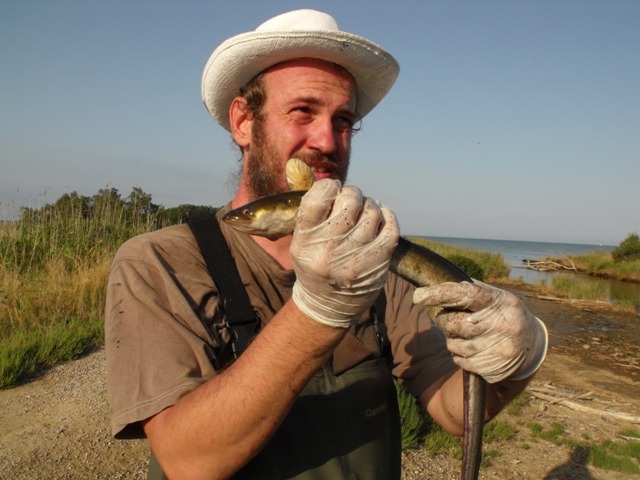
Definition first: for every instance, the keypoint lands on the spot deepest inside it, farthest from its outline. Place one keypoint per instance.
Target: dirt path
(56, 426)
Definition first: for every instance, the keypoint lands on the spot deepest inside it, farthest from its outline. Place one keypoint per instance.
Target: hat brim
(235, 62)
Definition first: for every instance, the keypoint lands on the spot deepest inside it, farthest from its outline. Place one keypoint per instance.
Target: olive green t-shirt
(165, 334)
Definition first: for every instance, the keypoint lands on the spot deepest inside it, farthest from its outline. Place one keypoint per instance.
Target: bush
(468, 266)
(628, 250)
(493, 265)
(413, 418)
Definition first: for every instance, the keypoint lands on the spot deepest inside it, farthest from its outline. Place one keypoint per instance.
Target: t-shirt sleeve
(158, 344)
(419, 350)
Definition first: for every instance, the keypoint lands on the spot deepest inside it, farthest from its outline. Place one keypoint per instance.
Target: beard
(266, 169)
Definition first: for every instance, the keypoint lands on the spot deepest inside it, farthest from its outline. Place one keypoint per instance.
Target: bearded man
(311, 395)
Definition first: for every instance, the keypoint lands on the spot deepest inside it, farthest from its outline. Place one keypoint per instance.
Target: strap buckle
(241, 335)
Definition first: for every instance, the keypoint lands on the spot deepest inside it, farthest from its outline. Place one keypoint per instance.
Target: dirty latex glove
(489, 331)
(341, 249)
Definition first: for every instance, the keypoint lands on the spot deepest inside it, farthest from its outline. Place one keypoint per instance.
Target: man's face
(309, 113)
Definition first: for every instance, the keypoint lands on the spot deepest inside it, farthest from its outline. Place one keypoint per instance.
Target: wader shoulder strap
(377, 316)
(242, 321)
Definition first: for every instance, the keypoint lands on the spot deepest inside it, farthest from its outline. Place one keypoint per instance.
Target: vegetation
(413, 418)
(622, 263)
(602, 264)
(492, 268)
(598, 264)
(477, 264)
(619, 456)
(440, 442)
(608, 454)
(628, 250)
(54, 263)
(569, 287)
(468, 266)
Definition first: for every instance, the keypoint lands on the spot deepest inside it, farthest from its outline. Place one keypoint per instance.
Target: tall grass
(54, 264)
(413, 418)
(67, 236)
(596, 264)
(581, 289)
(493, 265)
(602, 264)
(53, 269)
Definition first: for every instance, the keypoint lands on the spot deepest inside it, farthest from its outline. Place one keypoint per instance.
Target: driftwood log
(549, 265)
(557, 398)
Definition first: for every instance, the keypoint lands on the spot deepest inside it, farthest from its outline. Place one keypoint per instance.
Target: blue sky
(510, 120)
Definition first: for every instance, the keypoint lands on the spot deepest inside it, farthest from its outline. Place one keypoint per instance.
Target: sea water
(515, 252)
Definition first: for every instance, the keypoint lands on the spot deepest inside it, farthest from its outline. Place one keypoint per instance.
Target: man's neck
(279, 250)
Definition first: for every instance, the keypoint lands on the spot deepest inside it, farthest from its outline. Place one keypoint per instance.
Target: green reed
(602, 264)
(54, 263)
(493, 265)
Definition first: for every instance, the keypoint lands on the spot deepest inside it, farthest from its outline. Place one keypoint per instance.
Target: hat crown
(305, 19)
(298, 34)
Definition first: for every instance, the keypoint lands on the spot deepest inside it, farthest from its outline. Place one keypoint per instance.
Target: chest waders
(343, 426)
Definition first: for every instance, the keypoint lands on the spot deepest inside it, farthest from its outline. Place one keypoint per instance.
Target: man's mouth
(322, 170)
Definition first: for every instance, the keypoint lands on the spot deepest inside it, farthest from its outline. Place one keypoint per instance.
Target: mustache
(318, 160)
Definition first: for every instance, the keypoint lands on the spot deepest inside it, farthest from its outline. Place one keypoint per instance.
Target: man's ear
(240, 120)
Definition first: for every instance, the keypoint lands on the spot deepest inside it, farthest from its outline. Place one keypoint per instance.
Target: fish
(274, 217)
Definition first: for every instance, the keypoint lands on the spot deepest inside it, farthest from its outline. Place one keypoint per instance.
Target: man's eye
(343, 123)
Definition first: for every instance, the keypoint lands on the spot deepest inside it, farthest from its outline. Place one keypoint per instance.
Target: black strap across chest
(241, 319)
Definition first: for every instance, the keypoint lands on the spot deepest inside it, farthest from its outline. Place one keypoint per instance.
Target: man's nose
(323, 137)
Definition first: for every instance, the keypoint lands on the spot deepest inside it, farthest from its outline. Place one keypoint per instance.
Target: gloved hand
(341, 249)
(489, 331)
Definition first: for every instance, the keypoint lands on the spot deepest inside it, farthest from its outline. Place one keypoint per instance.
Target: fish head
(272, 217)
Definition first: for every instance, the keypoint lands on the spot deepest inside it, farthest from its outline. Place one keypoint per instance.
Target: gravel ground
(56, 426)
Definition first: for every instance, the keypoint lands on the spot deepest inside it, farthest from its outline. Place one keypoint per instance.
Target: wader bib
(343, 426)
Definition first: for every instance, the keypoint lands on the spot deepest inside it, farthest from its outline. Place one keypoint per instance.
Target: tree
(72, 205)
(140, 202)
(181, 213)
(628, 250)
(107, 203)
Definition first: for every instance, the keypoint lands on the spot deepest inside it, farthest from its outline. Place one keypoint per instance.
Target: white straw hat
(297, 34)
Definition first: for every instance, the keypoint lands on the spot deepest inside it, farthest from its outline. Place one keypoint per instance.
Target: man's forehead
(311, 62)
(294, 69)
